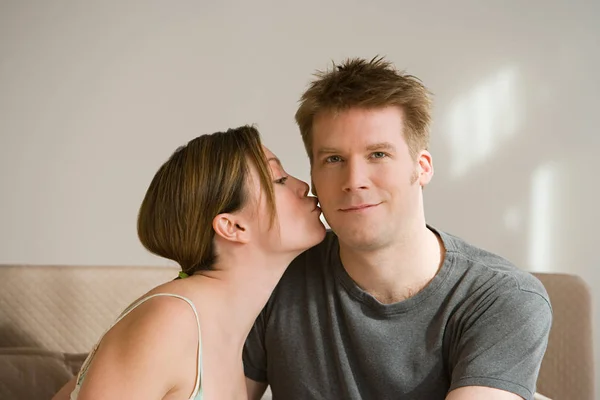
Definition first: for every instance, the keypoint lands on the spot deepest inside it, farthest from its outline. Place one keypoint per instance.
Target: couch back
(67, 308)
(567, 370)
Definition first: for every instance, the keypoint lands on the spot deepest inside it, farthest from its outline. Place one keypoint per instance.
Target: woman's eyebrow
(276, 160)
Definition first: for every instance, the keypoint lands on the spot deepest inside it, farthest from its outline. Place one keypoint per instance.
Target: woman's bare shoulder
(154, 344)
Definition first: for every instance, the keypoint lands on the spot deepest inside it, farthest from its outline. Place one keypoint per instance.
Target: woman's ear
(231, 227)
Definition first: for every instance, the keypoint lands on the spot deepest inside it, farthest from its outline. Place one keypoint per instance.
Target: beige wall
(93, 98)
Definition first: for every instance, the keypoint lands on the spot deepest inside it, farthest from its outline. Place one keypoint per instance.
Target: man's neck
(398, 271)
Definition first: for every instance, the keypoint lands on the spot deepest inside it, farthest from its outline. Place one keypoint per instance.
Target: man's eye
(378, 154)
(333, 159)
(281, 181)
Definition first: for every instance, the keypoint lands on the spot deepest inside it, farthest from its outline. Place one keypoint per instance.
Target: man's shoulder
(481, 264)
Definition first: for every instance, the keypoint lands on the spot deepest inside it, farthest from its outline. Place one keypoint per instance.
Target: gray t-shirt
(479, 322)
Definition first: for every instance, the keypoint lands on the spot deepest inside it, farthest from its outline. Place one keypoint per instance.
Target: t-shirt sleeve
(254, 354)
(502, 342)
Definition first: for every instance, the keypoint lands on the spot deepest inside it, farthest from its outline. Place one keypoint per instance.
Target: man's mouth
(358, 207)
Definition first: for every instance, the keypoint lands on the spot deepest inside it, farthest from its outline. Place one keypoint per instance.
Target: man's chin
(358, 240)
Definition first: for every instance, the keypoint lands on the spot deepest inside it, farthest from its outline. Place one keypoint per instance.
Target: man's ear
(231, 227)
(425, 168)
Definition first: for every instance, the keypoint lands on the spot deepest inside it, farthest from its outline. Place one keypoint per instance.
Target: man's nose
(356, 176)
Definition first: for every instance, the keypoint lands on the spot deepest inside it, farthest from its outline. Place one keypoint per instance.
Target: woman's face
(297, 226)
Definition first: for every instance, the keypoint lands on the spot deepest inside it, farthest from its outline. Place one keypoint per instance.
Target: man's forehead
(365, 122)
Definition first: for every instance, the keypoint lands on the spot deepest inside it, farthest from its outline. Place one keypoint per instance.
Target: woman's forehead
(268, 153)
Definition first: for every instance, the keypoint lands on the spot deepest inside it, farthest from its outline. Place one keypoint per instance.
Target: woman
(224, 209)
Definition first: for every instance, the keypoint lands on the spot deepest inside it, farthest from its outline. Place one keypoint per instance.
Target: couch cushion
(30, 373)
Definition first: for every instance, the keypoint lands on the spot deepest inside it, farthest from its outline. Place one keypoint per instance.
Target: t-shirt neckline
(405, 305)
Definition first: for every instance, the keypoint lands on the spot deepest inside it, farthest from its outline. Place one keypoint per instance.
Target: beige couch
(50, 316)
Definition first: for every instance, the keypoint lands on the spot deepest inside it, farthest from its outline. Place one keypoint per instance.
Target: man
(387, 307)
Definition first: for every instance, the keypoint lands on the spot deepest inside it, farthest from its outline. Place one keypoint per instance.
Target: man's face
(367, 182)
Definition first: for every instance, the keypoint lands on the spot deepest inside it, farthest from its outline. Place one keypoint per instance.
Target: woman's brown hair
(206, 177)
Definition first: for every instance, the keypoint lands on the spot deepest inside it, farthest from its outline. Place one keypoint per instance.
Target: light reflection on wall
(542, 212)
(483, 119)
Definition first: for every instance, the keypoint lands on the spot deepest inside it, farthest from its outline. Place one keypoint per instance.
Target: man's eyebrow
(372, 147)
(327, 150)
(381, 146)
